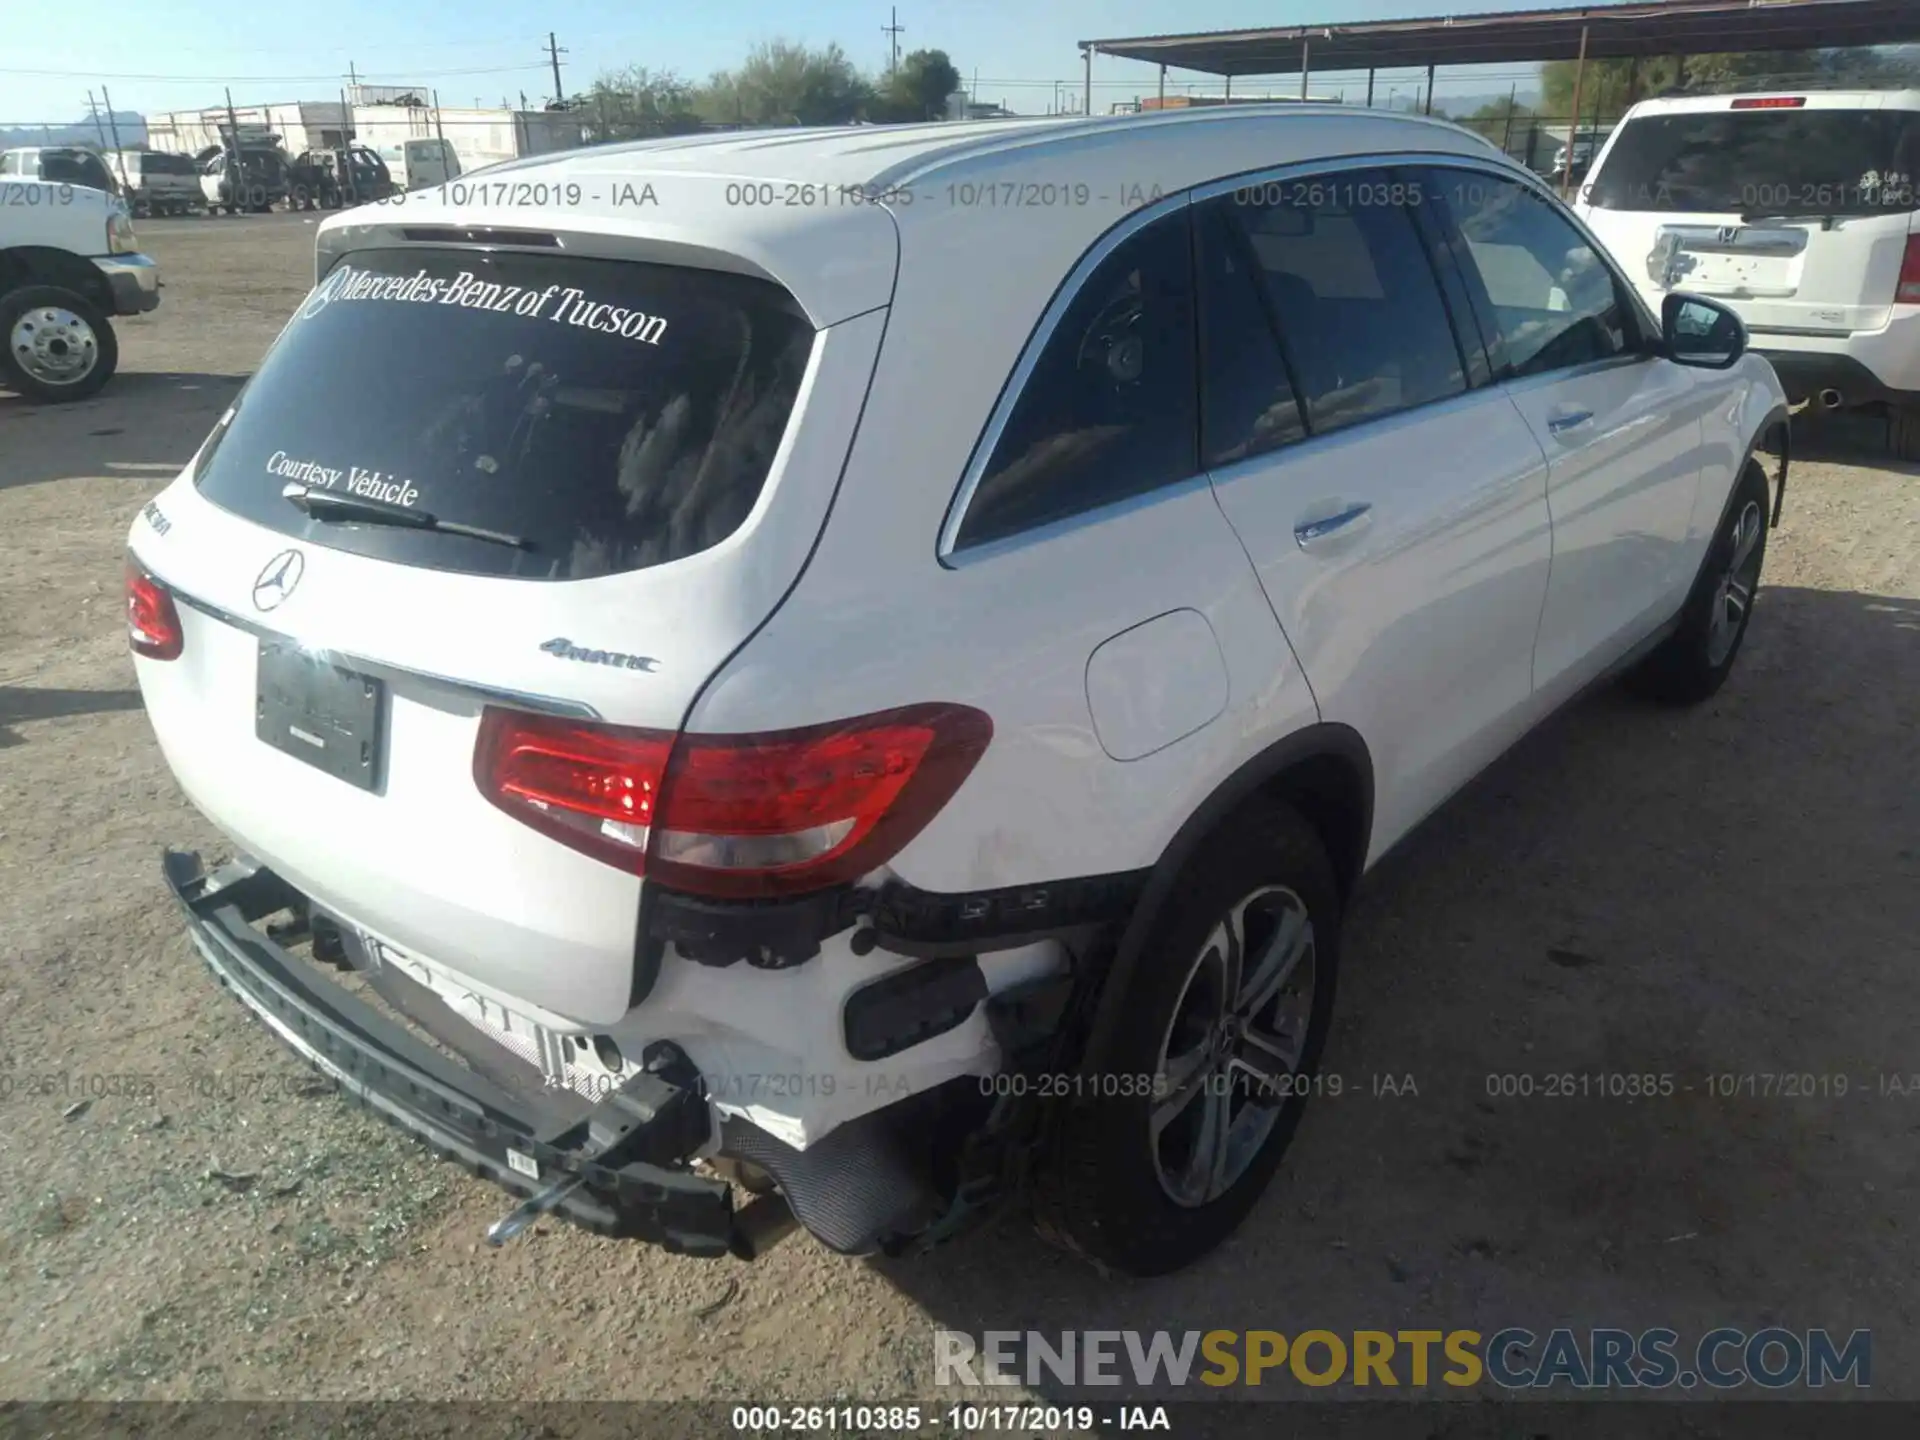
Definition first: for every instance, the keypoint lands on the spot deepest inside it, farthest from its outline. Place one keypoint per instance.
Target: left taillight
(733, 816)
(153, 624)
(1906, 290)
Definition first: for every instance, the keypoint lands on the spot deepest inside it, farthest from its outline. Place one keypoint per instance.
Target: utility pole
(554, 52)
(106, 102)
(892, 32)
(353, 75)
(94, 111)
(235, 195)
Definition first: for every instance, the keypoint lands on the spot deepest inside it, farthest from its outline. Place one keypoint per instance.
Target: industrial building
(379, 117)
(301, 125)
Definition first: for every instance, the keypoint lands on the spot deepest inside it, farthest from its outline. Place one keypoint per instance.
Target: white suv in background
(1801, 212)
(878, 675)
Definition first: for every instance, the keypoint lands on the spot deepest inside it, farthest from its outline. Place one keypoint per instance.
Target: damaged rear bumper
(459, 1113)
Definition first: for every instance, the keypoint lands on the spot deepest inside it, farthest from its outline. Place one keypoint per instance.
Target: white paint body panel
(1415, 624)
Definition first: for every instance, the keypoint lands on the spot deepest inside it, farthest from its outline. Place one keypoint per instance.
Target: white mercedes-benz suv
(849, 676)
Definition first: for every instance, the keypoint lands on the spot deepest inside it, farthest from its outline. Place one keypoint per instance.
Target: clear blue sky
(485, 49)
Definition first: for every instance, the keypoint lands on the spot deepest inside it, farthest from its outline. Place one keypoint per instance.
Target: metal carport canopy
(1684, 27)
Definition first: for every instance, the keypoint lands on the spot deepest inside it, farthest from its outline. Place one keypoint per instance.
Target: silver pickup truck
(156, 183)
(68, 260)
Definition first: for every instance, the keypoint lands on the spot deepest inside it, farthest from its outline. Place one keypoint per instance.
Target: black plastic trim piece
(930, 924)
(899, 918)
(900, 1010)
(767, 934)
(853, 1189)
(1778, 423)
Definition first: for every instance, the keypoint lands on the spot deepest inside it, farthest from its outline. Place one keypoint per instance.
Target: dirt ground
(1732, 891)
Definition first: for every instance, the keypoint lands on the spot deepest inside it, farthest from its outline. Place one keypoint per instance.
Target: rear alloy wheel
(1235, 1039)
(58, 344)
(1694, 662)
(1209, 1047)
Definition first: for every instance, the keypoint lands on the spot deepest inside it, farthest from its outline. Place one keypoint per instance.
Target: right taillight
(733, 816)
(1907, 292)
(153, 624)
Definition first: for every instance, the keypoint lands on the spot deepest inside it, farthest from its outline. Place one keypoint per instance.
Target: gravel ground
(1729, 891)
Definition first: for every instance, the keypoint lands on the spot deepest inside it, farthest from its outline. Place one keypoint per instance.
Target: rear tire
(1903, 433)
(1694, 662)
(55, 344)
(1160, 1154)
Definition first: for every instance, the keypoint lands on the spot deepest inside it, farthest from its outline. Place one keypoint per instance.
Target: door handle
(1571, 420)
(1306, 534)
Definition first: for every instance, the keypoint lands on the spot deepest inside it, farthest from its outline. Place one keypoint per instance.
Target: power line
(263, 79)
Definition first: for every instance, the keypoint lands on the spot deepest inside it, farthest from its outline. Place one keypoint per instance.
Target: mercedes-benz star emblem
(277, 580)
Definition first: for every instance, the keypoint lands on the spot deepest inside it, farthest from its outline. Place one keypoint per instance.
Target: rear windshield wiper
(359, 510)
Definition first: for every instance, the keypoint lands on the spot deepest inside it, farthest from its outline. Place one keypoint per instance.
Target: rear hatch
(1794, 209)
(170, 175)
(632, 460)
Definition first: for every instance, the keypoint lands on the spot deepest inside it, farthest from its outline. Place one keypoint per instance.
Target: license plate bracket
(320, 713)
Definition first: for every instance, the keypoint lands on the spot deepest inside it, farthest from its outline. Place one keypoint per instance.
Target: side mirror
(1701, 332)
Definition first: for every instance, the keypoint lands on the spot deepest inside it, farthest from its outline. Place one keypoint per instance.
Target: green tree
(1500, 120)
(1608, 87)
(783, 83)
(918, 88)
(637, 103)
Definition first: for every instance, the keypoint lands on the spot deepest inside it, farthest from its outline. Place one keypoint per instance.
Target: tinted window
(1545, 291)
(1108, 410)
(613, 415)
(1769, 161)
(1248, 404)
(6, 164)
(74, 167)
(1360, 315)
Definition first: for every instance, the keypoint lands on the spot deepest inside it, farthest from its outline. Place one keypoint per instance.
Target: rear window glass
(1763, 162)
(608, 415)
(154, 163)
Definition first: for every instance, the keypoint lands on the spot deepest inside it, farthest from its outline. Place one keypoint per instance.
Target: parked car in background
(158, 183)
(1572, 158)
(1801, 212)
(257, 183)
(795, 700)
(61, 164)
(330, 178)
(416, 164)
(69, 259)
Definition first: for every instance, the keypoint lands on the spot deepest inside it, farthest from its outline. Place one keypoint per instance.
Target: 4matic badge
(567, 650)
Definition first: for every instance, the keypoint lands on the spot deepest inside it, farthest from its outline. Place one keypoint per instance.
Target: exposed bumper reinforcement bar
(462, 1115)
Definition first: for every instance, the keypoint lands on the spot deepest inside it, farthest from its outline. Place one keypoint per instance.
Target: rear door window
(1774, 160)
(1107, 411)
(610, 415)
